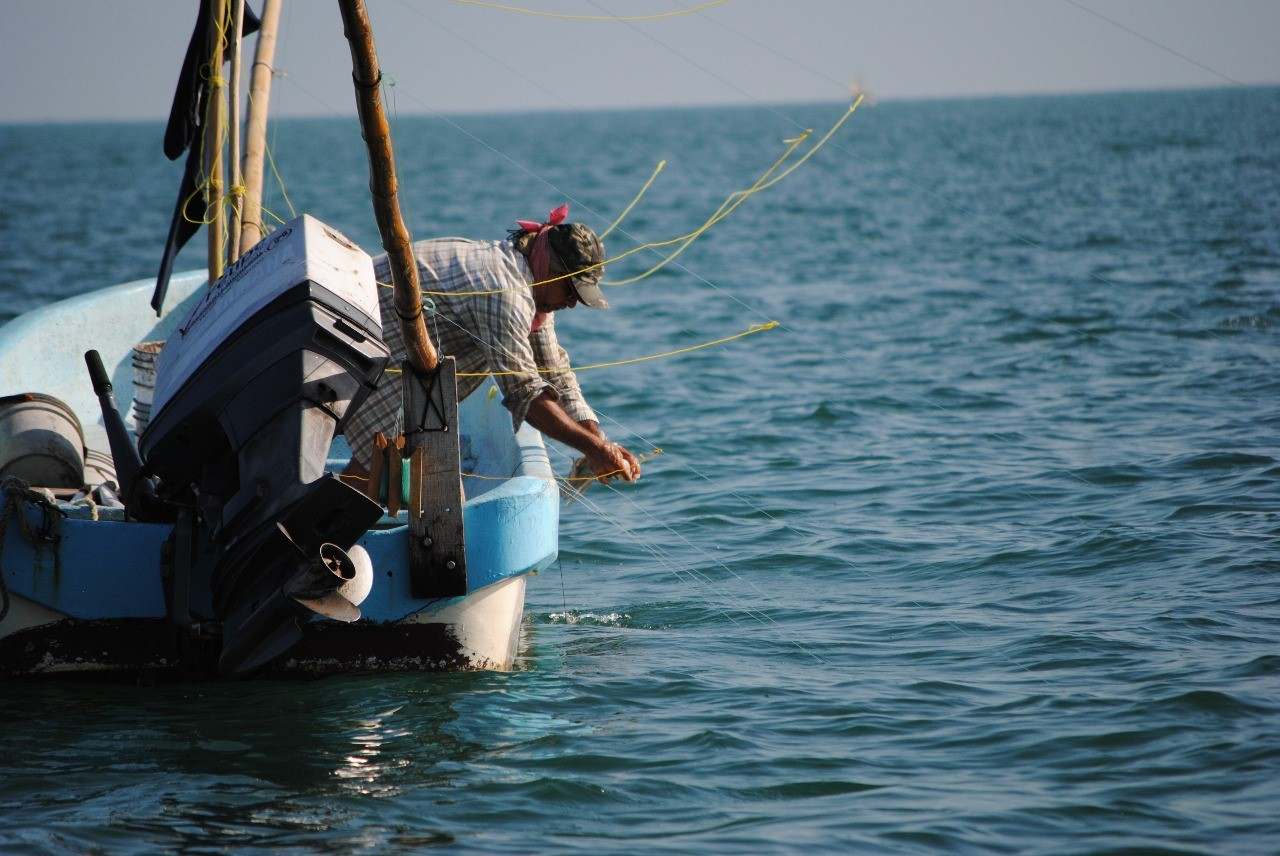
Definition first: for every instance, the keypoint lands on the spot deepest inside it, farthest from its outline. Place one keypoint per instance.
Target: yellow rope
(642, 459)
(632, 19)
(627, 210)
(731, 202)
(283, 192)
(752, 330)
(735, 199)
(226, 199)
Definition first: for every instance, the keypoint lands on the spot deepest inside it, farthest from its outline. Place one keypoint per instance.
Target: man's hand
(610, 461)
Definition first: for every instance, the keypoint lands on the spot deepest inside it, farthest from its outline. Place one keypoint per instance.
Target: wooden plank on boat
(437, 542)
(377, 467)
(395, 475)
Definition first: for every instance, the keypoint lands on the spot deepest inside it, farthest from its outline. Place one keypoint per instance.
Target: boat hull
(88, 590)
(479, 632)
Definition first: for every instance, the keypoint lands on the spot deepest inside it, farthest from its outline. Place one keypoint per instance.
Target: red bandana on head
(540, 251)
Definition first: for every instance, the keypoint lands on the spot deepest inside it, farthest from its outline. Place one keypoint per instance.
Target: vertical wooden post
(373, 489)
(395, 475)
(437, 553)
(233, 134)
(382, 183)
(213, 139)
(437, 540)
(251, 229)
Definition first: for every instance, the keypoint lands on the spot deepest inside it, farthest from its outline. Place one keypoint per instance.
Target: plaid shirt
(484, 333)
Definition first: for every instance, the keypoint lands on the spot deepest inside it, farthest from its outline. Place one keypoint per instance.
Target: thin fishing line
(760, 615)
(846, 562)
(523, 76)
(606, 18)
(565, 480)
(316, 98)
(750, 331)
(1152, 41)
(698, 577)
(662, 558)
(667, 47)
(844, 86)
(564, 597)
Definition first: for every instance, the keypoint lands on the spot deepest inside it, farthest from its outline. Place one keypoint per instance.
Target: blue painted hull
(91, 597)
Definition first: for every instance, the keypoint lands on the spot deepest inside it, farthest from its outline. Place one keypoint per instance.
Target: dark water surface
(978, 552)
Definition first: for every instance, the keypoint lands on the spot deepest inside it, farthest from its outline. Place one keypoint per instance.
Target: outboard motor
(250, 390)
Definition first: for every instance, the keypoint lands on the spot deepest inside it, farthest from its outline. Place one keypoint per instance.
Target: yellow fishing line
(730, 204)
(631, 19)
(627, 210)
(566, 479)
(726, 208)
(750, 331)
(735, 199)
(266, 147)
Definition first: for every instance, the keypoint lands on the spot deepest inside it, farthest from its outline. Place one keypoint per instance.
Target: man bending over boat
(493, 312)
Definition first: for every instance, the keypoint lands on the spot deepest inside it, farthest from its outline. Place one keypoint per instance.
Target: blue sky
(67, 60)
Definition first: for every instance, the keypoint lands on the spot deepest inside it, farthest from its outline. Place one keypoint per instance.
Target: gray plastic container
(41, 441)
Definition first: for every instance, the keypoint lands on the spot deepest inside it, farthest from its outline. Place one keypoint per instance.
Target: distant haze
(72, 60)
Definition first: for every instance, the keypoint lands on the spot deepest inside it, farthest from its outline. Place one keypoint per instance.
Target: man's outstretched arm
(608, 460)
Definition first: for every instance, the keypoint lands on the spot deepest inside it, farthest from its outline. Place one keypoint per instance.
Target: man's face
(556, 295)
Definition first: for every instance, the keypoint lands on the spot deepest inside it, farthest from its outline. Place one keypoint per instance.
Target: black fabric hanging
(186, 122)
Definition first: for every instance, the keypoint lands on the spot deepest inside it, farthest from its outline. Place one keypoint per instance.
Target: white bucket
(41, 441)
(144, 383)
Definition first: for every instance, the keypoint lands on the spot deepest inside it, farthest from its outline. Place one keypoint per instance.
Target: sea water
(977, 551)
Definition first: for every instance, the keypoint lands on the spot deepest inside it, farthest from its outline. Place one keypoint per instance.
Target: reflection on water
(258, 762)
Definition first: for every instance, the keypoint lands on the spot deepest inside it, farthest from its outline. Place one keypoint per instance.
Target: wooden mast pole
(213, 139)
(255, 147)
(233, 134)
(382, 182)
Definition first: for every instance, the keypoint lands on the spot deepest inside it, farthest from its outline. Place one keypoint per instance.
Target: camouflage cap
(576, 247)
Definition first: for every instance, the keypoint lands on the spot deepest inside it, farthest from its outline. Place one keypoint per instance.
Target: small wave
(1203, 509)
(1266, 666)
(1095, 240)
(1204, 702)
(1248, 322)
(827, 413)
(806, 790)
(1022, 337)
(612, 619)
